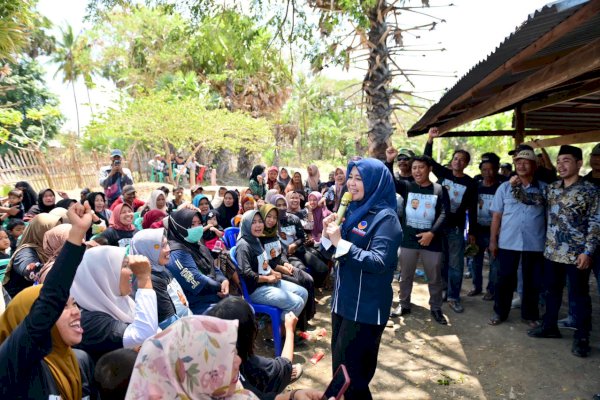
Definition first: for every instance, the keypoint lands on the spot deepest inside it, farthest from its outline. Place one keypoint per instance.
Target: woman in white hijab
(109, 317)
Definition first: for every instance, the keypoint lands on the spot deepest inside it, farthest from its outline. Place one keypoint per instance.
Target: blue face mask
(194, 234)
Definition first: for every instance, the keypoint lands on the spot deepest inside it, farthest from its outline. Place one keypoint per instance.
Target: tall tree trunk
(89, 99)
(76, 109)
(376, 83)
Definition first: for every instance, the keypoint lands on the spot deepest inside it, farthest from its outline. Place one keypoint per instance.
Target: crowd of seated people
(88, 281)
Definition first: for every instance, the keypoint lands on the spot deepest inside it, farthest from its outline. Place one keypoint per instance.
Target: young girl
(212, 231)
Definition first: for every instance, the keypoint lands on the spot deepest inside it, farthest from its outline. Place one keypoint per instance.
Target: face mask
(194, 234)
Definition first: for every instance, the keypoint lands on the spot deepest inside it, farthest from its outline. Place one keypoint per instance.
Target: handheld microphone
(346, 199)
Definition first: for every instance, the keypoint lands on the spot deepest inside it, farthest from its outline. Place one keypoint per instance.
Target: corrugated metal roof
(538, 24)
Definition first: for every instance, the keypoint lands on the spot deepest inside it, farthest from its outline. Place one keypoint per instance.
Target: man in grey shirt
(517, 234)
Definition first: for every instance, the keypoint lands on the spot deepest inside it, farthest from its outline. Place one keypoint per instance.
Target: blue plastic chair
(3, 265)
(273, 312)
(230, 236)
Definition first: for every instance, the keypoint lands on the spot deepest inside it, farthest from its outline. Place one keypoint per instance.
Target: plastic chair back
(273, 312)
(3, 265)
(230, 236)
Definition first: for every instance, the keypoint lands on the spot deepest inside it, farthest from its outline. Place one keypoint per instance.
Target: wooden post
(519, 126)
(42, 160)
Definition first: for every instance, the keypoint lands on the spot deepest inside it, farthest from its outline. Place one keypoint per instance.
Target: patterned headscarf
(191, 359)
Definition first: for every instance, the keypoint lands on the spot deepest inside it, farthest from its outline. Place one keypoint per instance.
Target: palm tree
(64, 56)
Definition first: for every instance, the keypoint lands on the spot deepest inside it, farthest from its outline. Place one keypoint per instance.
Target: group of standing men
(545, 227)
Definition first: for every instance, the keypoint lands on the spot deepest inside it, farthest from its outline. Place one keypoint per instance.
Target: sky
(473, 29)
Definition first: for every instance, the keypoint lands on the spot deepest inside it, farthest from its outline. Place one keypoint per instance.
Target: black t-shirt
(117, 237)
(462, 192)
(268, 375)
(102, 333)
(485, 196)
(425, 210)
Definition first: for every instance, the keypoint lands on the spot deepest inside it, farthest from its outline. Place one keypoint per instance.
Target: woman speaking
(365, 246)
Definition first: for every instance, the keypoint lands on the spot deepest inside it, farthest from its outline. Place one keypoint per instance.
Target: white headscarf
(149, 243)
(96, 284)
(152, 200)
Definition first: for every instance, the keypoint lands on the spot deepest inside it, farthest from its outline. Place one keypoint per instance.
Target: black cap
(507, 166)
(491, 158)
(519, 148)
(572, 150)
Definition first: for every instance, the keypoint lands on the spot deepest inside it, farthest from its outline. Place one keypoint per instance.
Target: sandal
(296, 372)
(495, 320)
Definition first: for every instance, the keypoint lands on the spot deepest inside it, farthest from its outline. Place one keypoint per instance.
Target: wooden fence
(62, 169)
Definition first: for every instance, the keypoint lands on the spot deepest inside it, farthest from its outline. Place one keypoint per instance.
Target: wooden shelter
(547, 71)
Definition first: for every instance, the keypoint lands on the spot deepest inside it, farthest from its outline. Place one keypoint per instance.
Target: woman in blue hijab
(365, 246)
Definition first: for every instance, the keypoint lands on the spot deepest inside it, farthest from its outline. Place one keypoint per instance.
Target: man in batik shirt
(572, 235)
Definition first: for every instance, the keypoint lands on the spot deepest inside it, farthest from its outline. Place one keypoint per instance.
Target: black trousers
(304, 279)
(532, 262)
(579, 295)
(317, 264)
(356, 345)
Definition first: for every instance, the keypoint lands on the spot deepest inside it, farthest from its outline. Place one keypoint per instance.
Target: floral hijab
(191, 359)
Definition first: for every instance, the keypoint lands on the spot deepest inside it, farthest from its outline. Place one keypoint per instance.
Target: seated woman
(39, 327)
(54, 240)
(313, 182)
(171, 302)
(101, 216)
(228, 209)
(316, 206)
(192, 264)
(203, 204)
(207, 346)
(29, 194)
(257, 182)
(121, 228)
(264, 285)
(156, 201)
(296, 185)
(20, 271)
(45, 203)
(299, 252)
(247, 203)
(266, 377)
(276, 255)
(335, 192)
(110, 318)
(153, 219)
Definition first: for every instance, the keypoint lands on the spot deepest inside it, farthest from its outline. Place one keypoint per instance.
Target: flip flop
(296, 372)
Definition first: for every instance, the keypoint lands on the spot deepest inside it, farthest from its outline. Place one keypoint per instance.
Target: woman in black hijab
(228, 209)
(191, 262)
(46, 202)
(29, 195)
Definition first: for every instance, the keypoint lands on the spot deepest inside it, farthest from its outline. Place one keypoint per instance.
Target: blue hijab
(197, 198)
(380, 192)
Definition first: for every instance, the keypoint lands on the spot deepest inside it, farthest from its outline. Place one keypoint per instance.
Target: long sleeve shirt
(200, 290)
(22, 353)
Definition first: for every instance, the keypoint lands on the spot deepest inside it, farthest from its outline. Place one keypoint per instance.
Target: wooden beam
(576, 20)
(581, 137)
(583, 90)
(511, 133)
(539, 62)
(581, 61)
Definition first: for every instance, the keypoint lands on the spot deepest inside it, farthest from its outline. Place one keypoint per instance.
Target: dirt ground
(468, 359)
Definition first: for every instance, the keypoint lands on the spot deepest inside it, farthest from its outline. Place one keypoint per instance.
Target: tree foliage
(23, 90)
(183, 122)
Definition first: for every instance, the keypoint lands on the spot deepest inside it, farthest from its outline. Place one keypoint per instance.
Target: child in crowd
(212, 231)
(14, 229)
(15, 198)
(4, 244)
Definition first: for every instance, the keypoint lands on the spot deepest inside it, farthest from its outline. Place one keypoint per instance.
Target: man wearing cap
(403, 157)
(129, 198)
(462, 190)
(517, 233)
(506, 170)
(114, 177)
(486, 189)
(542, 172)
(572, 236)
